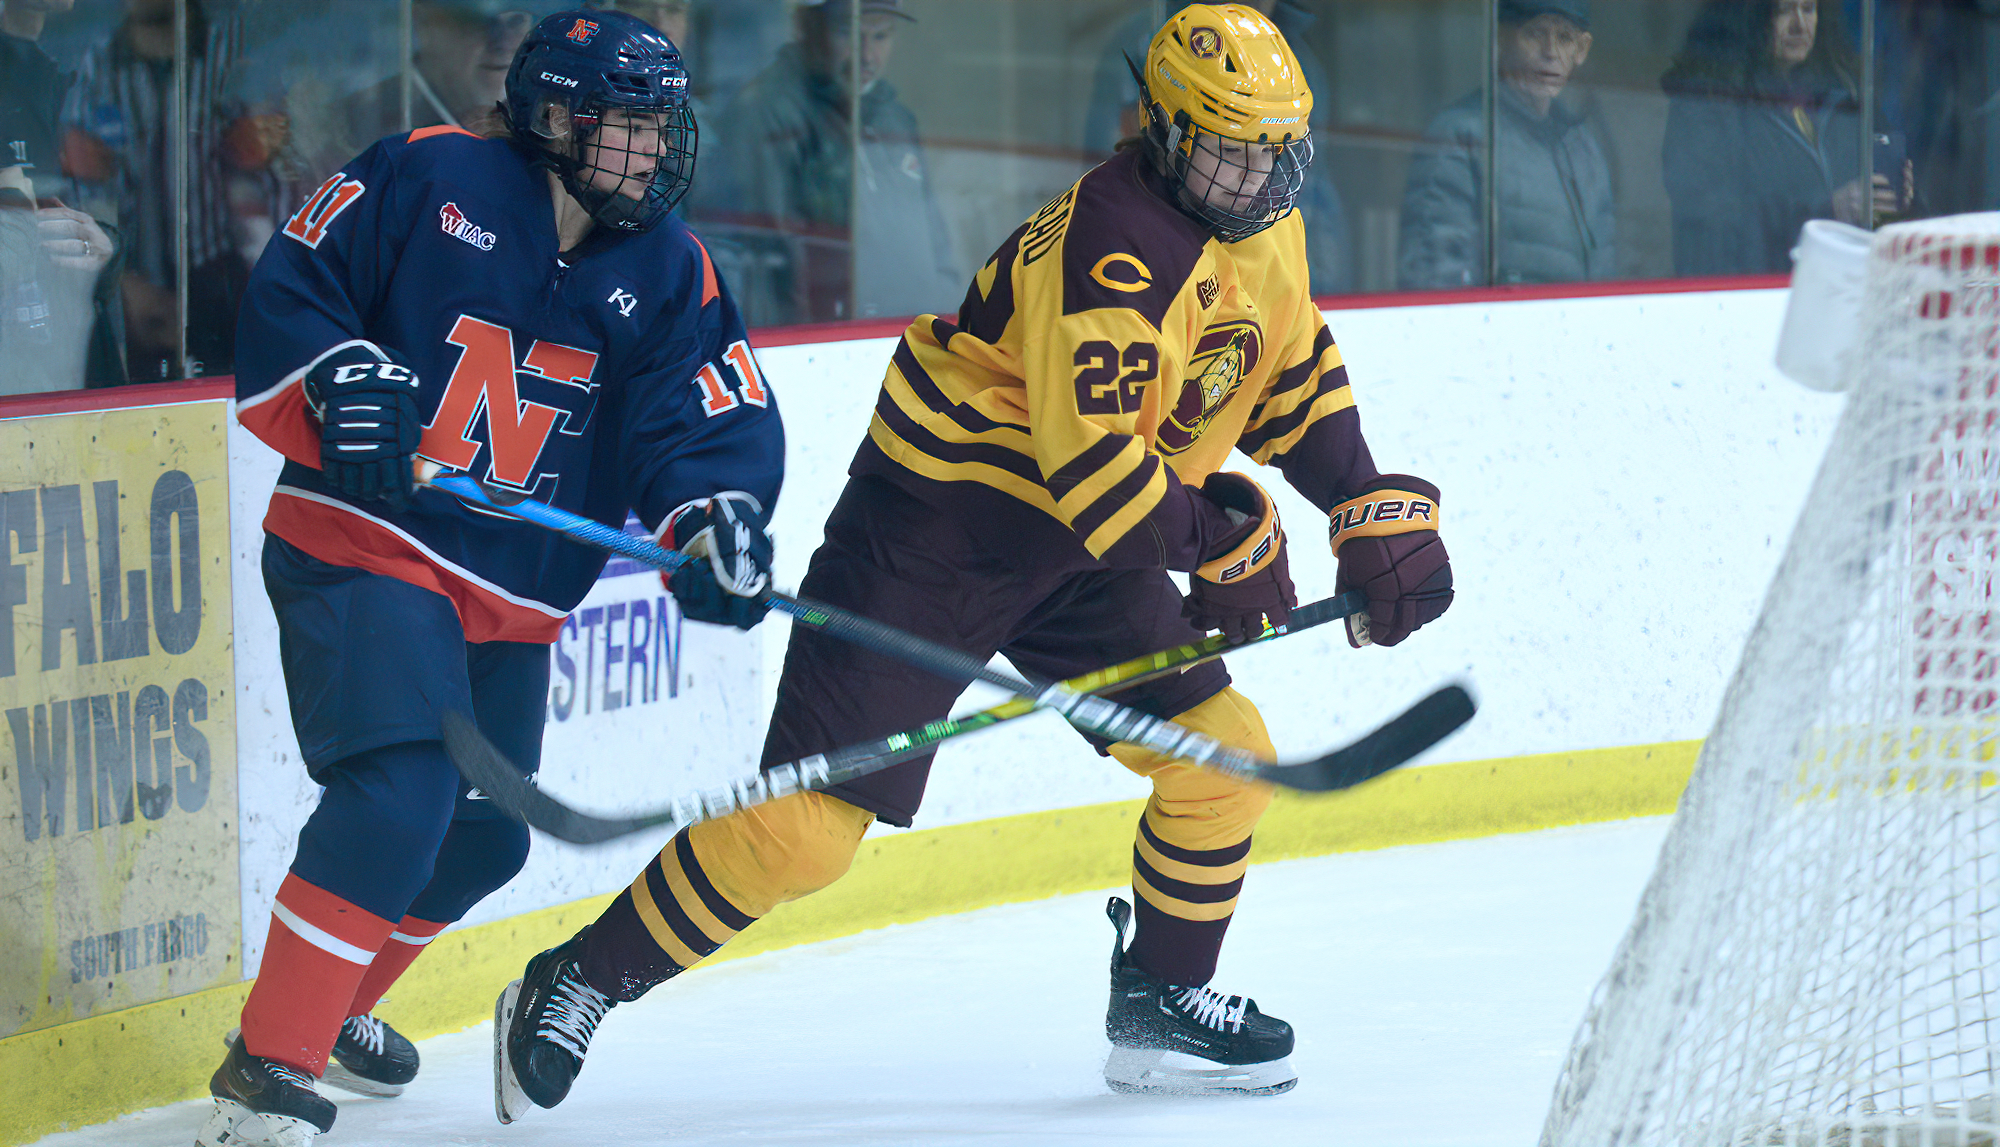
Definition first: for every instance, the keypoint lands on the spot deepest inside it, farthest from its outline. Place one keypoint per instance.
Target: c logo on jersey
(1223, 357)
(583, 31)
(518, 406)
(1122, 272)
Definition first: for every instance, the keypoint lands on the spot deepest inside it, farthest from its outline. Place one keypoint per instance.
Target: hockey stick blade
(1411, 732)
(486, 769)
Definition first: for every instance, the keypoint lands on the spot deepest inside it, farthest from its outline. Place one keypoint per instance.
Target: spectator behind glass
(462, 51)
(1558, 219)
(1763, 133)
(780, 175)
(50, 255)
(1113, 116)
(118, 152)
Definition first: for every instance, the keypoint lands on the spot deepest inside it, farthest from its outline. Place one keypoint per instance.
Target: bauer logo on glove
(1386, 541)
(1386, 511)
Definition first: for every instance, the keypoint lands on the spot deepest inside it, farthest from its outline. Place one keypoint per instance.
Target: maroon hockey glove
(369, 425)
(1251, 581)
(1387, 541)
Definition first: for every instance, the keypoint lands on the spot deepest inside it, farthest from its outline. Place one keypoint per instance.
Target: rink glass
(859, 161)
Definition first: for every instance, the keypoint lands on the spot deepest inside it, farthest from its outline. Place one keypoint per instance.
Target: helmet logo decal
(1223, 357)
(583, 31)
(1131, 276)
(1205, 43)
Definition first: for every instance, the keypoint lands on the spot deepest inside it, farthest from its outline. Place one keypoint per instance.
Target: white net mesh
(1814, 959)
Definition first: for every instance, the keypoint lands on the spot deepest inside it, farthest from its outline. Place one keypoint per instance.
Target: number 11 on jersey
(716, 394)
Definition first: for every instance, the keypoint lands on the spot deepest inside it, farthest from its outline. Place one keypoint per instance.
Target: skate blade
(1154, 1071)
(234, 1125)
(338, 1076)
(509, 1101)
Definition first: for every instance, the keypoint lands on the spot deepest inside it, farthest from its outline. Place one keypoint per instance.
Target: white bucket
(1829, 271)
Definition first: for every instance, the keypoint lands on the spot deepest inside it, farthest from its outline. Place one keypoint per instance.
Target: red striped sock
(320, 948)
(401, 950)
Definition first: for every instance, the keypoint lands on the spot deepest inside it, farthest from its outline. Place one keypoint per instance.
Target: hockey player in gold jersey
(1035, 466)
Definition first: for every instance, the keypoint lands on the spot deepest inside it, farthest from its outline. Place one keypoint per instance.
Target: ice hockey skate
(369, 1058)
(542, 1026)
(263, 1103)
(1172, 1040)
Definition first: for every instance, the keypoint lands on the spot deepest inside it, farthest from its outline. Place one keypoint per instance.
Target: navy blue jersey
(616, 376)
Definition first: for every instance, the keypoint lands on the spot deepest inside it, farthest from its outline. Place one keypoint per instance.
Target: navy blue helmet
(627, 152)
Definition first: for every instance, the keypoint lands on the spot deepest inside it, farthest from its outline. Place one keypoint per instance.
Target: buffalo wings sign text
(118, 880)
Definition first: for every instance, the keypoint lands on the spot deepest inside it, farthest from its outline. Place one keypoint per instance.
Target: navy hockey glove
(1387, 541)
(1251, 581)
(727, 532)
(369, 425)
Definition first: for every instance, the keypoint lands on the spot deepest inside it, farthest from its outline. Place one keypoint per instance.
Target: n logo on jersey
(322, 207)
(517, 405)
(1223, 357)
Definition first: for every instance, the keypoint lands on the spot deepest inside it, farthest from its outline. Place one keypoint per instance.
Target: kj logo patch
(457, 226)
(583, 31)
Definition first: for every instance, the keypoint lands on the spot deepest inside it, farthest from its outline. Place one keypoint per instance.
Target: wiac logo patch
(458, 226)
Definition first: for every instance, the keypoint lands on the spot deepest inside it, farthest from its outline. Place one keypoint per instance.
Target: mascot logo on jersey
(1205, 43)
(1222, 359)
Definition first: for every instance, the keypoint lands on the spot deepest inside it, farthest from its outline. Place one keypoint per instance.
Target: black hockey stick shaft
(1106, 718)
(1394, 743)
(487, 770)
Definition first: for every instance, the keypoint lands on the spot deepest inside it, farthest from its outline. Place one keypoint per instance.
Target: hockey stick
(1442, 712)
(485, 769)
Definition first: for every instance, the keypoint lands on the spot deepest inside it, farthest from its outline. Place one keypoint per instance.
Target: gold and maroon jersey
(1108, 358)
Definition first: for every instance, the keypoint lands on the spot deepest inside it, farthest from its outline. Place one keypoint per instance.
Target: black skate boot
(263, 1103)
(1172, 1040)
(371, 1058)
(542, 1026)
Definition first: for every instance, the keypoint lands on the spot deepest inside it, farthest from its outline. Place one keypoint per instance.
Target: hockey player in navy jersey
(525, 309)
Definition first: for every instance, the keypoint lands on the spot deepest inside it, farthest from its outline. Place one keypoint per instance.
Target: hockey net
(1816, 959)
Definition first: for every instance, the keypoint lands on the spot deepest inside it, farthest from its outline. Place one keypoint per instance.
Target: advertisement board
(118, 809)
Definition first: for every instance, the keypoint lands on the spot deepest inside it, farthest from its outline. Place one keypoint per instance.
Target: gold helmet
(1218, 75)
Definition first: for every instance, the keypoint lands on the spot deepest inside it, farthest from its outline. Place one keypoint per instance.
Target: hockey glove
(369, 425)
(1387, 542)
(1251, 581)
(727, 531)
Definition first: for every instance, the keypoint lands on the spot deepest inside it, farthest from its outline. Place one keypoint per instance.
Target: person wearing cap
(1558, 216)
(852, 233)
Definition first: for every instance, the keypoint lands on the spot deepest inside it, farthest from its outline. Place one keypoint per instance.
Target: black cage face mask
(1228, 214)
(630, 173)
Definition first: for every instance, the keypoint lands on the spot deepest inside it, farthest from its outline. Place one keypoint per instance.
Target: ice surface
(1435, 989)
